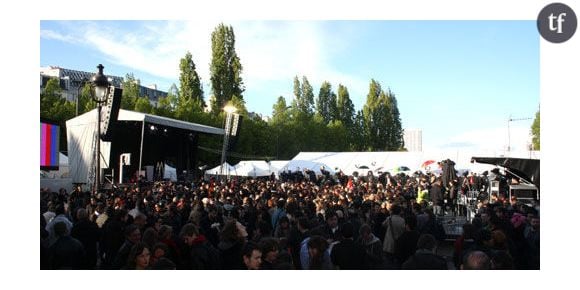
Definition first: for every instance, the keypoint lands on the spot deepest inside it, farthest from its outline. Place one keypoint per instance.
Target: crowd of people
(297, 221)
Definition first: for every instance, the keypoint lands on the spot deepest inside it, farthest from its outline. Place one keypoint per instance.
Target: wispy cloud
(53, 35)
(489, 139)
(271, 51)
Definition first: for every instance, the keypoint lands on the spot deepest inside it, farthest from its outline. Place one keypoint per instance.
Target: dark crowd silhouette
(297, 221)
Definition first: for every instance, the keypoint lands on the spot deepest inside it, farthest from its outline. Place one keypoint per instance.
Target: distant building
(71, 82)
(413, 139)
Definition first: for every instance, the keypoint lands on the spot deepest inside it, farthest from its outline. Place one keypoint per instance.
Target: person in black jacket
(347, 254)
(425, 257)
(406, 244)
(202, 255)
(67, 252)
(88, 233)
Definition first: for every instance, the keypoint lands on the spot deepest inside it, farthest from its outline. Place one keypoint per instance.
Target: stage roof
(125, 115)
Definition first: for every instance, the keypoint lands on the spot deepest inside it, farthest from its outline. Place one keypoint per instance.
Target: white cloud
(53, 35)
(487, 139)
(270, 52)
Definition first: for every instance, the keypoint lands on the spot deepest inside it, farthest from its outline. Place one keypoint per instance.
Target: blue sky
(458, 81)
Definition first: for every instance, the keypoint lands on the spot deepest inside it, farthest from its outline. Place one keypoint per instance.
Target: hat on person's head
(205, 200)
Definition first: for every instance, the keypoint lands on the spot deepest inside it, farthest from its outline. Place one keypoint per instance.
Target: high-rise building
(71, 81)
(413, 139)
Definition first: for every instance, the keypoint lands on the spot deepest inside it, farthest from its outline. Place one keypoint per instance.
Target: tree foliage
(190, 83)
(56, 108)
(131, 92)
(382, 124)
(143, 105)
(225, 68)
(536, 132)
(326, 104)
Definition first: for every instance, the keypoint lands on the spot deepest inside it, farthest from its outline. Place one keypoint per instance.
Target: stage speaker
(110, 113)
(236, 125)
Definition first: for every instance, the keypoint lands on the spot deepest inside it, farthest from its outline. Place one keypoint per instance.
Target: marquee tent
(387, 161)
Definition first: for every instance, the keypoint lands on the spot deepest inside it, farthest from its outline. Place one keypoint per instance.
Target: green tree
(131, 92)
(52, 105)
(166, 106)
(225, 68)
(382, 122)
(143, 105)
(189, 81)
(86, 102)
(239, 104)
(395, 128)
(56, 108)
(345, 107)
(326, 104)
(360, 140)
(303, 103)
(536, 132)
(280, 113)
(307, 103)
(188, 109)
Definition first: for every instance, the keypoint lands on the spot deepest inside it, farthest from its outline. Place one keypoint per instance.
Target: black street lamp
(101, 89)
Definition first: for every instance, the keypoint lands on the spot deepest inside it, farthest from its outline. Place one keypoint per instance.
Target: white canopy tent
(227, 170)
(300, 164)
(81, 139)
(252, 169)
(277, 165)
(362, 162)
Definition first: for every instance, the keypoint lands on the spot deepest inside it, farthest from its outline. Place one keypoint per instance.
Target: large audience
(295, 221)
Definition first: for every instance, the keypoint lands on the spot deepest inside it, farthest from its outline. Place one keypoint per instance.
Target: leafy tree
(326, 104)
(536, 132)
(225, 68)
(307, 103)
(131, 92)
(85, 100)
(166, 106)
(239, 104)
(345, 107)
(56, 108)
(338, 136)
(189, 80)
(188, 109)
(395, 141)
(381, 120)
(280, 114)
(303, 103)
(359, 140)
(143, 105)
(52, 105)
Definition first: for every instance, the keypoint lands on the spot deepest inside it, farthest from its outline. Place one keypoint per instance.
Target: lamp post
(100, 85)
(227, 128)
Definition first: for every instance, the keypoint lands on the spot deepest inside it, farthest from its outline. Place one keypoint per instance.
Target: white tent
(251, 168)
(81, 139)
(362, 162)
(227, 170)
(299, 165)
(169, 173)
(276, 165)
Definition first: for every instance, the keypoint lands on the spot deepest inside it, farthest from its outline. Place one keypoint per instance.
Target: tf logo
(557, 22)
